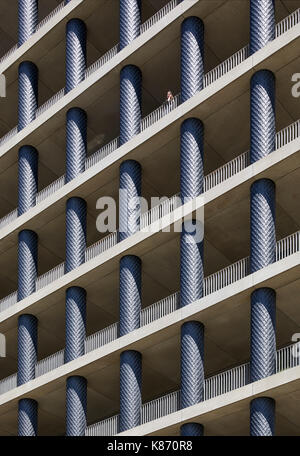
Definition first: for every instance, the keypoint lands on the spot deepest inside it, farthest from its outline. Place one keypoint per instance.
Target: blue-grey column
(130, 21)
(130, 389)
(28, 93)
(76, 406)
(262, 23)
(27, 418)
(191, 159)
(262, 224)
(191, 266)
(76, 142)
(192, 430)
(262, 115)
(75, 53)
(75, 323)
(130, 293)
(75, 232)
(130, 102)
(27, 178)
(262, 417)
(27, 348)
(192, 57)
(28, 19)
(130, 192)
(27, 263)
(192, 363)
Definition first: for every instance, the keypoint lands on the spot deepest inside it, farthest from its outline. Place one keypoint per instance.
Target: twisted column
(192, 57)
(75, 323)
(262, 115)
(28, 19)
(191, 265)
(130, 293)
(130, 192)
(192, 363)
(262, 417)
(27, 348)
(262, 23)
(27, 418)
(28, 93)
(75, 232)
(130, 102)
(76, 406)
(75, 53)
(191, 159)
(191, 430)
(27, 263)
(27, 178)
(262, 224)
(130, 21)
(76, 142)
(130, 389)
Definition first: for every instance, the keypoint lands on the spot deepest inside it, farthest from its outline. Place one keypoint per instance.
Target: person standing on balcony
(170, 96)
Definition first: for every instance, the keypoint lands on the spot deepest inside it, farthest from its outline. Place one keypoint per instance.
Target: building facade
(142, 327)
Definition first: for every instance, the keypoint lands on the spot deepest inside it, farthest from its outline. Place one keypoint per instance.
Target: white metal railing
(103, 152)
(287, 23)
(159, 15)
(160, 112)
(8, 301)
(288, 357)
(162, 406)
(110, 426)
(167, 206)
(226, 66)
(8, 383)
(100, 62)
(49, 363)
(8, 135)
(160, 309)
(102, 337)
(50, 15)
(100, 246)
(226, 276)
(288, 246)
(287, 134)
(8, 53)
(227, 381)
(50, 189)
(8, 218)
(226, 171)
(54, 99)
(50, 276)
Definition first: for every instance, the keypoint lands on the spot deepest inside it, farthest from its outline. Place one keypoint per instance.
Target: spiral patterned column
(130, 21)
(76, 142)
(75, 232)
(262, 224)
(191, 159)
(27, 178)
(27, 348)
(28, 19)
(130, 389)
(262, 417)
(130, 293)
(191, 265)
(192, 363)
(75, 323)
(262, 115)
(130, 192)
(28, 93)
(192, 57)
(76, 406)
(130, 102)
(191, 430)
(75, 53)
(27, 418)
(262, 23)
(27, 263)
